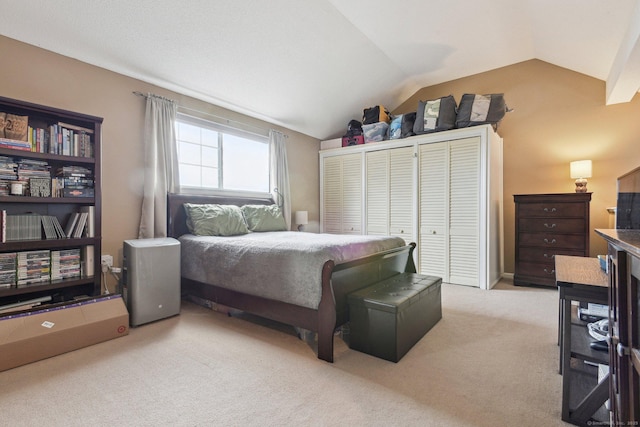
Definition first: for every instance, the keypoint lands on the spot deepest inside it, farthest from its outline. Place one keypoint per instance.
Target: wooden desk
(580, 279)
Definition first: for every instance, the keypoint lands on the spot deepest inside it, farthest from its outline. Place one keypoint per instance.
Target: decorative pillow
(264, 217)
(215, 220)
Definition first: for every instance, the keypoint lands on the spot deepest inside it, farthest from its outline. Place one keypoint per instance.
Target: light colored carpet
(491, 361)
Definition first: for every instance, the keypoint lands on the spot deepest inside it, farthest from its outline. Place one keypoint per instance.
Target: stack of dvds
(28, 168)
(7, 269)
(22, 227)
(33, 267)
(65, 264)
(75, 181)
(8, 174)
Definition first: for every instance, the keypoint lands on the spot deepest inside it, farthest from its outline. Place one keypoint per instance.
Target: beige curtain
(161, 165)
(280, 173)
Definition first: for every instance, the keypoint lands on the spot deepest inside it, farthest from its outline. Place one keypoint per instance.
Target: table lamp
(302, 219)
(580, 171)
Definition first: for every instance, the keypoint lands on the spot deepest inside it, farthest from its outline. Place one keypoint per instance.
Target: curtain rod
(228, 121)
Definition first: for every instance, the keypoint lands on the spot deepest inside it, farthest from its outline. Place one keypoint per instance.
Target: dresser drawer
(552, 225)
(551, 209)
(535, 273)
(532, 254)
(551, 240)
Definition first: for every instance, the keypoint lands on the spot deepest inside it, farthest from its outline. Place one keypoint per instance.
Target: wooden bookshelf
(87, 128)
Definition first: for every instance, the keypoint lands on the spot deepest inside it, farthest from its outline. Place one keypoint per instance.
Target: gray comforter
(280, 265)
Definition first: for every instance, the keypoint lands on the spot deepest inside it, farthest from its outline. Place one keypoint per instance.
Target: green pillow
(264, 218)
(215, 220)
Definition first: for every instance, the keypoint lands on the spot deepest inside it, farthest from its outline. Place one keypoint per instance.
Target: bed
(316, 302)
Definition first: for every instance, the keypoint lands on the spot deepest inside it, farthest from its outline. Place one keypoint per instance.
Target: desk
(580, 279)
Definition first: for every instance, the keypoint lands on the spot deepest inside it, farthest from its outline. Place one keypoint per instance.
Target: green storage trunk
(389, 317)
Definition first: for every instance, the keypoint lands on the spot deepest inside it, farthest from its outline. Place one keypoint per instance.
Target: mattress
(280, 265)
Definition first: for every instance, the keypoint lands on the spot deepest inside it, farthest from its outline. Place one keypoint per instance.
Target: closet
(441, 190)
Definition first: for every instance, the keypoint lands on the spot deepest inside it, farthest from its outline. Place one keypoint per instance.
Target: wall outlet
(107, 260)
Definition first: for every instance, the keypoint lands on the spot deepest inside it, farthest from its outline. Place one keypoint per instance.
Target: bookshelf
(57, 172)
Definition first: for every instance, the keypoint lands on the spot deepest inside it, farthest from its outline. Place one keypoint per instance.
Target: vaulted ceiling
(312, 65)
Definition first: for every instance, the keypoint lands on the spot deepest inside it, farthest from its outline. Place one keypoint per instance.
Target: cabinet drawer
(551, 209)
(553, 225)
(550, 240)
(547, 254)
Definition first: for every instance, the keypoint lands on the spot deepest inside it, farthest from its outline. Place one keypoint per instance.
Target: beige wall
(559, 116)
(32, 74)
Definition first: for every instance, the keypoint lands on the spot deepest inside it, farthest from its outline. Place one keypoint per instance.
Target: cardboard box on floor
(28, 337)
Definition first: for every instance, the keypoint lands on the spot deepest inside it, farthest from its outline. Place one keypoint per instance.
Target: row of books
(46, 187)
(34, 226)
(33, 267)
(60, 138)
(27, 177)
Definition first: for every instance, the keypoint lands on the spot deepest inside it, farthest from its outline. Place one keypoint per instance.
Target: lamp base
(301, 227)
(581, 185)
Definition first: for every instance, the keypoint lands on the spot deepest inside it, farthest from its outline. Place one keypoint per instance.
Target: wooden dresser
(548, 225)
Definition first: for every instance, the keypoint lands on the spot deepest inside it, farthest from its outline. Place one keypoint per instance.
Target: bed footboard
(340, 280)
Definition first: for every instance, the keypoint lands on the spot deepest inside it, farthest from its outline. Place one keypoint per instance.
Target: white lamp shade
(580, 169)
(302, 217)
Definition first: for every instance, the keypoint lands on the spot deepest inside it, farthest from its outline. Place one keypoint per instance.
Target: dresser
(548, 225)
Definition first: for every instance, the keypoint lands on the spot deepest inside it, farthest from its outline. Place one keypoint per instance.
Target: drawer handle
(623, 350)
(551, 242)
(549, 256)
(549, 210)
(550, 226)
(550, 272)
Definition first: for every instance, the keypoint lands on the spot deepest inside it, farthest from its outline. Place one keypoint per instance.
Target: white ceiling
(312, 65)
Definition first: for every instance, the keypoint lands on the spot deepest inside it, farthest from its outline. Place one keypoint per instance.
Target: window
(213, 158)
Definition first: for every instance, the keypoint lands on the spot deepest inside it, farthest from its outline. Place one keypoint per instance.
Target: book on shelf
(33, 267)
(71, 223)
(65, 263)
(7, 269)
(14, 144)
(91, 225)
(52, 227)
(88, 260)
(3, 226)
(22, 227)
(40, 187)
(80, 226)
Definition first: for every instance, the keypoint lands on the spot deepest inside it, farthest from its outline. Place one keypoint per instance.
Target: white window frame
(229, 130)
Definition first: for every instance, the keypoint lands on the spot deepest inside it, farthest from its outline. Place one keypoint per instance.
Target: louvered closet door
(332, 195)
(352, 194)
(433, 172)
(401, 193)
(464, 211)
(377, 197)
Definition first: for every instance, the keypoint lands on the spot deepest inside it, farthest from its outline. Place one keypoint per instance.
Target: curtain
(160, 166)
(280, 173)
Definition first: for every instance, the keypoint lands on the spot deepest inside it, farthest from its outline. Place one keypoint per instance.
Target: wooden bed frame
(338, 280)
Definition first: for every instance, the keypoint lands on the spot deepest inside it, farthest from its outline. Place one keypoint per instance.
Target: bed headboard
(177, 217)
